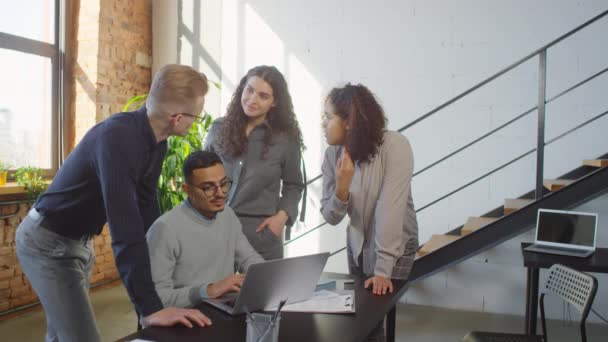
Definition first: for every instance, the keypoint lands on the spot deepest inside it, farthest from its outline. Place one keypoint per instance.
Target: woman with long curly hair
(367, 173)
(260, 144)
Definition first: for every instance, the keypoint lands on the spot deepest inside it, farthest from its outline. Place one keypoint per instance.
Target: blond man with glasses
(110, 177)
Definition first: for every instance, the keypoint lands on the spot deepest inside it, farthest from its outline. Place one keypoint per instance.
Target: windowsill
(11, 188)
(13, 192)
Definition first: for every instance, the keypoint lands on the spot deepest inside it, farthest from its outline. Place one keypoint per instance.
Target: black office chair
(574, 287)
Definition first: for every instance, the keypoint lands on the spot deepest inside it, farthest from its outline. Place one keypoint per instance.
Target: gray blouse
(262, 185)
(383, 226)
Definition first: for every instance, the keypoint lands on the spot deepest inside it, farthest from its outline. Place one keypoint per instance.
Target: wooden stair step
(514, 204)
(475, 223)
(436, 242)
(596, 162)
(556, 184)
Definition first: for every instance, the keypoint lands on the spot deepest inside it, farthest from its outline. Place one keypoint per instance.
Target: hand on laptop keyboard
(171, 316)
(231, 283)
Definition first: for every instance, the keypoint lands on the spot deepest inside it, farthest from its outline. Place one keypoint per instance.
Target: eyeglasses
(197, 118)
(210, 189)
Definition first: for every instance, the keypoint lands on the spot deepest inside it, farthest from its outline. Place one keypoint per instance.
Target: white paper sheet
(325, 302)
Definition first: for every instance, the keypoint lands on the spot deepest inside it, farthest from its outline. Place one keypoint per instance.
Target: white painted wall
(416, 55)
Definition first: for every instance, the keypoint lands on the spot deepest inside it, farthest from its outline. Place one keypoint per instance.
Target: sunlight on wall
(306, 94)
(261, 45)
(230, 50)
(248, 41)
(186, 50)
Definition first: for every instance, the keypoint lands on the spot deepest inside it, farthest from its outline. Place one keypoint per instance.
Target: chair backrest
(575, 287)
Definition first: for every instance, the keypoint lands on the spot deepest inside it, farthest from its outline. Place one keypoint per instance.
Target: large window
(30, 65)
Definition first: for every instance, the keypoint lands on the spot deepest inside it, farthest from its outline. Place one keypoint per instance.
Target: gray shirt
(383, 225)
(188, 252)
(265, 184)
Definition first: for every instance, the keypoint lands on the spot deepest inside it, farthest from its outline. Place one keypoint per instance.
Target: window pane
(34, 19)
(25, 109)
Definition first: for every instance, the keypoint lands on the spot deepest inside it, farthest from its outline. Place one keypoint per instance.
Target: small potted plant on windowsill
(4, 167)
(31, 179)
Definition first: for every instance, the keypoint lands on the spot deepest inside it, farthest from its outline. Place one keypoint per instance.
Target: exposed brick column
(84, 68)
(112, 58)
(15, 290)
(125, 53)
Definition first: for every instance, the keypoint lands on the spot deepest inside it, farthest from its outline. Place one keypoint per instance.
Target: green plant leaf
(178, 148)
(30, 178)
(135, 100)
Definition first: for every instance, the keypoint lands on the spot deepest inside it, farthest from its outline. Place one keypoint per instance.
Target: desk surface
(596, 262)
(294, 326)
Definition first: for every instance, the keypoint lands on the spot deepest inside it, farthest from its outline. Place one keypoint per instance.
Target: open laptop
(267, 283)
(565, 232)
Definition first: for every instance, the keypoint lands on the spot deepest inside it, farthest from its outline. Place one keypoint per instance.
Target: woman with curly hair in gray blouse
(367, 173)
(260, 144)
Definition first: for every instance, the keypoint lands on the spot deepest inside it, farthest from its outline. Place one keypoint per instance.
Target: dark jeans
(378, 334)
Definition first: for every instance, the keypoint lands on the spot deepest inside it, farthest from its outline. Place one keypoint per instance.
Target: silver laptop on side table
(565, 232)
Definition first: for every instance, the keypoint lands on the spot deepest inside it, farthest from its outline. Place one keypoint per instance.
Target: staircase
(511, 205)
(516, 215)
(513, 218)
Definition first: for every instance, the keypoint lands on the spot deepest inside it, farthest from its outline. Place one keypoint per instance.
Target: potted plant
(4, 167)
(178, 148)
(30, 178)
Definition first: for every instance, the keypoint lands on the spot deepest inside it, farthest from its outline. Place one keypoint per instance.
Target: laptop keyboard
(230, 302)
(229, 299)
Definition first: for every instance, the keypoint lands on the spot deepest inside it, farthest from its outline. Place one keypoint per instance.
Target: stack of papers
(325, 301)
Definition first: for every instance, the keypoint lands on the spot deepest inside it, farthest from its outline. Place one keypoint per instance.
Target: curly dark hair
(280, 119)
(366, 120)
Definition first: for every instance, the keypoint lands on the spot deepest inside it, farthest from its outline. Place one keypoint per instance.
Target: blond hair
(175, 86)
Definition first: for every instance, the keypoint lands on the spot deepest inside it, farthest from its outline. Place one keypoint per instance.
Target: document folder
(325, 301)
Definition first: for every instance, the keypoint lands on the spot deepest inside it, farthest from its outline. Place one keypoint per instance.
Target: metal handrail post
(540, 143)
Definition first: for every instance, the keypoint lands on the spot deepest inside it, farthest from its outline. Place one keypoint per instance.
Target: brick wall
(112, 59)
(15, 290)
(111, 42)
(124, 58)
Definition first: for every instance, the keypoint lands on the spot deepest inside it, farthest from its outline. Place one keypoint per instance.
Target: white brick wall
(415, 55)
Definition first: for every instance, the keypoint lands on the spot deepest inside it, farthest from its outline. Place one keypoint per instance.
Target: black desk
(533, 261)
(295, 326)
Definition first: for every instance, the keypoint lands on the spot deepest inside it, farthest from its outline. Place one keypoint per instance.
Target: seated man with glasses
(196, 247)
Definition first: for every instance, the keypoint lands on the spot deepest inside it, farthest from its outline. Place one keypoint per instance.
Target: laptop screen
(566, 227)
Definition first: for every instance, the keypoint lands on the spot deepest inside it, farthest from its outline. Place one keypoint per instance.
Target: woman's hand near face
(345, 169)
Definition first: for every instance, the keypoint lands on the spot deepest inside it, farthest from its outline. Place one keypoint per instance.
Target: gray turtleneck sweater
(189, 251)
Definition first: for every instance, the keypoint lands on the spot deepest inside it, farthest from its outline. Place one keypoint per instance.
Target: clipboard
(324, 301)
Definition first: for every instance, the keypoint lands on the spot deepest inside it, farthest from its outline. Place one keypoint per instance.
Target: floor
(116, 318)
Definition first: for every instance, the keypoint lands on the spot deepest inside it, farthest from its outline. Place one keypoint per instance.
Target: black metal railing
(540, 108)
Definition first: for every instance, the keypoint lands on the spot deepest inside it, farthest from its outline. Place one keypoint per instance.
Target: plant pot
(3, 175)
(30, 175)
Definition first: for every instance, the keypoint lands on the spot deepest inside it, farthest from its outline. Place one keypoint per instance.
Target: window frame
(56, 53)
